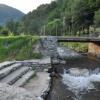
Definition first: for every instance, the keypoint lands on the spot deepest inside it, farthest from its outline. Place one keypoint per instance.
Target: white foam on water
(79, 84)
(39, 98)
(65, 52)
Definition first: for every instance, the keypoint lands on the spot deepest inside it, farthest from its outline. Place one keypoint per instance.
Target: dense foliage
(18, 48)
(60, 17)
(79, 47)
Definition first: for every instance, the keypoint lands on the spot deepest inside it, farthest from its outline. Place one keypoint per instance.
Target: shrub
(18, 47)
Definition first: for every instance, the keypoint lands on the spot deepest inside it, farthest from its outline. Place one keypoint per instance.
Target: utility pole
(64, 25)
(56, 30)
(44, 30)
(41, 32)
(72, 19)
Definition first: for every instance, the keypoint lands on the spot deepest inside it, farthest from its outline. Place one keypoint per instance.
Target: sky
(24, 5)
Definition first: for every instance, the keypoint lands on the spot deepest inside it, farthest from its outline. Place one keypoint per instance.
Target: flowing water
(78, 79)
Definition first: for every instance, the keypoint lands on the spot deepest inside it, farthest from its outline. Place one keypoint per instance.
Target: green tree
(73, 15)
(97, 18)
(4, 32)
(54, 27)
(12, 26)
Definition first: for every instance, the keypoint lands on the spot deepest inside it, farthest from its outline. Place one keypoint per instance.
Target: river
(78, 79)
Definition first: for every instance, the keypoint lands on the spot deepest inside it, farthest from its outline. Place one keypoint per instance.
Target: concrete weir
(25, 77)
(11, 72)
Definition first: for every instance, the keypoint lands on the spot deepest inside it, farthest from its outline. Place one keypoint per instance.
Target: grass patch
(18, 48)
(79, 47)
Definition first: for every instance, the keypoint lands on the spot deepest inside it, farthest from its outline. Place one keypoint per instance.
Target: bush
(4, 32)
(18, 47)
(79, 47)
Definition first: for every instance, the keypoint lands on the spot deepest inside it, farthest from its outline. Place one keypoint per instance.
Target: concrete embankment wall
(94, 49)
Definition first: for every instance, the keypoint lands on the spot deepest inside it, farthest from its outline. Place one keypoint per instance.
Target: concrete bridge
(78, 39)
(93, 43)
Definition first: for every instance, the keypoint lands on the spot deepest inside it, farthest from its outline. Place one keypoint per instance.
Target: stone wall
(94, 49)
(49, 46)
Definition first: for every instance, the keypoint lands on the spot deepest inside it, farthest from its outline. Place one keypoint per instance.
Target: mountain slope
(7, 13)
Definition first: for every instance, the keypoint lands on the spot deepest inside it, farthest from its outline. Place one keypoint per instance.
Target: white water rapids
(80, 80)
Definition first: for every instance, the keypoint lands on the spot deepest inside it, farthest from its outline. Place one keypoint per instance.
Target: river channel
(78, 79)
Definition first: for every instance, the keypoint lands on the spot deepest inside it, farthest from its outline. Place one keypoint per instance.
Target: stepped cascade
(15, 73)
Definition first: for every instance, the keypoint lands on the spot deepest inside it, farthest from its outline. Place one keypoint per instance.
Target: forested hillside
(61, 17)
(8, 13)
